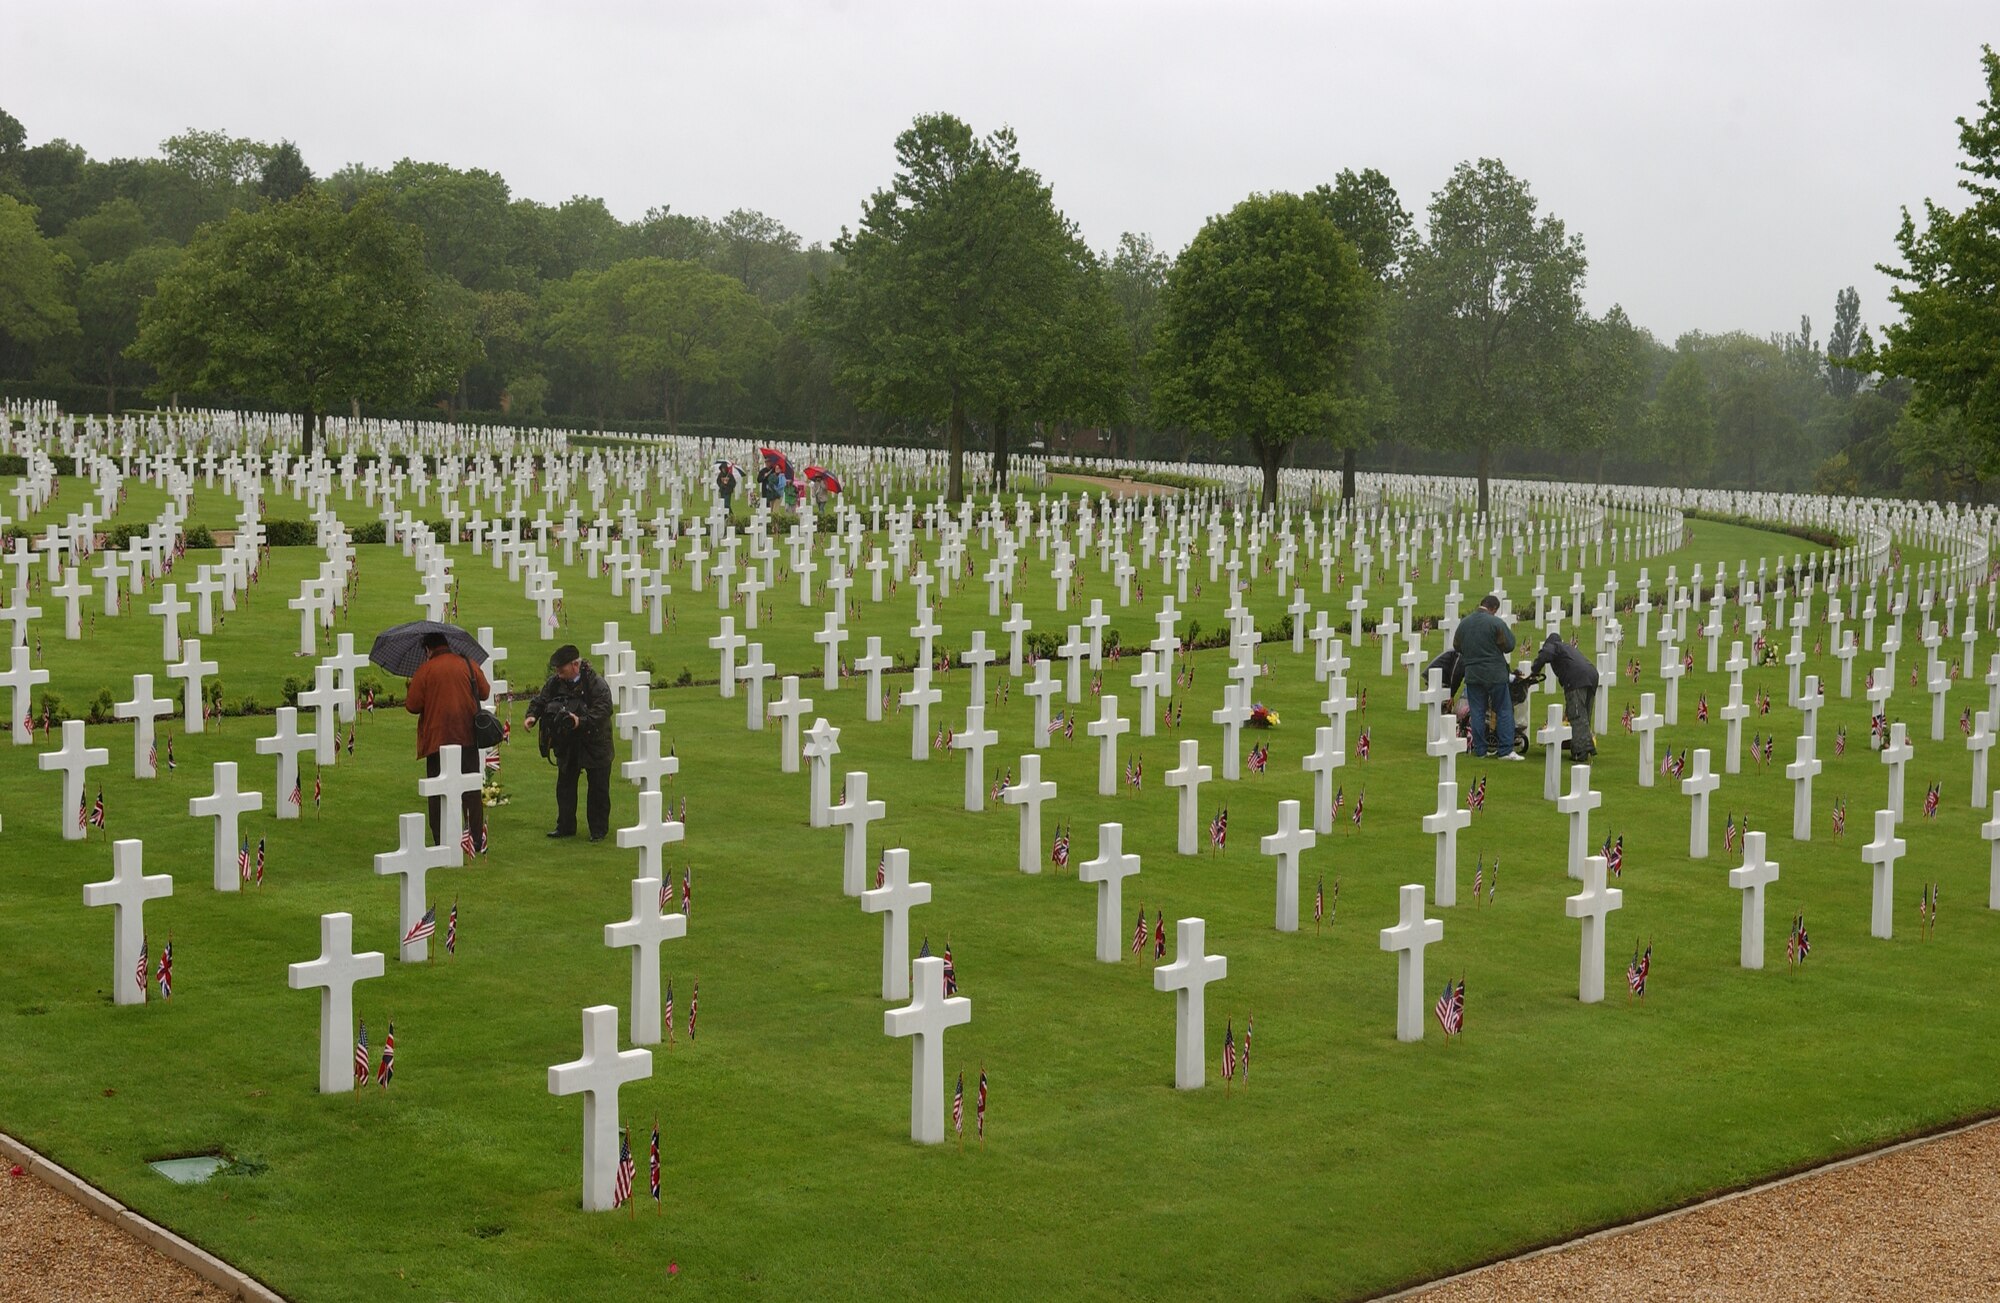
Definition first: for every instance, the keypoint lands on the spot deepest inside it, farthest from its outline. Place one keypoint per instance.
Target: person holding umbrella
(444, 695)
(574, 711)
(725, 484)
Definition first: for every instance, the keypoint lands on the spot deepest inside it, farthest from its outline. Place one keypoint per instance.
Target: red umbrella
(824, 476)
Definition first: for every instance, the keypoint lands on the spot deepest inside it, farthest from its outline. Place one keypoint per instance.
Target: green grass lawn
(1349, 1164)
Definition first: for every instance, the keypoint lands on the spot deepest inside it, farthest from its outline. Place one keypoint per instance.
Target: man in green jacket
(1482, 642)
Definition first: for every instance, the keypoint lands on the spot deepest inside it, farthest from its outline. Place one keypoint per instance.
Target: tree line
(964, 309)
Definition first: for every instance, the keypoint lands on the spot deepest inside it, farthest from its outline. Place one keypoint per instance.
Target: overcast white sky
(1729, 165)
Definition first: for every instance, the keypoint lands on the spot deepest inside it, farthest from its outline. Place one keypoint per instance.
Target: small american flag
(1360, 799)
(260, 862)
(667, 1014)
(1840, 817)
(1931, 800)
(1729, 833)
(1059, 852)
(1701, 709)
(1229, 1053)
(243, 860)
(1479, 879)
(1635, 973)
(387, 1072)
(1339, 799)
(1362, 745)
(982, 1104)
(1218, 829)
(363, 1065)
(140, 972)
(424, 928)
(1249, 1025)
(153, 757)
(1319, 900)
(451, 931)
(82, 811)
(687, 890)
(694, 1006)
(621, 1189)
(1840, 741)
(1141, 934)
(1055, 725)
(296, 797)
(882, 867)
(653, 1161)
(1476, 798)
(465, 843)
(1443, 1008)
(958, 1106)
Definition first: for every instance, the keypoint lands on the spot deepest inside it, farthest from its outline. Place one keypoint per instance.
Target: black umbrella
(401, 650)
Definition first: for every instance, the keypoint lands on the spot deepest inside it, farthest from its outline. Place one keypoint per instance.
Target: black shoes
(560, 833)
(598, 836)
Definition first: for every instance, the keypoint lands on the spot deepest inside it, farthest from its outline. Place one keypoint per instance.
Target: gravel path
(53, 1251)
(1916, 1223)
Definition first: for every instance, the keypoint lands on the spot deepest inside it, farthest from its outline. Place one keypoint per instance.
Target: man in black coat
(574, 712)
(1578, 678)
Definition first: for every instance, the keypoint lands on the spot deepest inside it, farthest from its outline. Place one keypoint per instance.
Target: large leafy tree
(305, 306)
(1492, 331)
(1134, 277)
(1948, 341)
(1368, 211)
(35, 307)
(1681, 421)
(1259, 326)
(956, 290)
(109, 299)
(663, 326)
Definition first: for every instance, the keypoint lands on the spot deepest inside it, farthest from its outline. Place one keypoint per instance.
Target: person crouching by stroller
(1578, 678)
(574, 711)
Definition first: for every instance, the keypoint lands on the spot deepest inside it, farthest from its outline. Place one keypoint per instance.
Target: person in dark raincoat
(573, 711)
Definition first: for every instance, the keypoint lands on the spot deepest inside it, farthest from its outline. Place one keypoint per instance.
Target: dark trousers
(475, 808)
(1578, 703)
(598, 808)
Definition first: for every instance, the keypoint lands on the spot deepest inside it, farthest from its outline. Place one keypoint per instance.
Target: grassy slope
(1350, 1163)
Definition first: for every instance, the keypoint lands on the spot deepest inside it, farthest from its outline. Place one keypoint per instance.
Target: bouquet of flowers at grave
(1262, 716)
(492, 793)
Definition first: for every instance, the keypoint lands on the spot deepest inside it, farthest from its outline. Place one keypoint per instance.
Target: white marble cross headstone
(1591, 905)
(924, 1020)
(452, 785)
(75, 760)
(1188, 978)
(411, 862)
(225, 804)
(852, 816)
(1700, 784)
(1412, 933)
(190, 669)
(1188, 777)
(288, 744)
(894, 900)
(1881, 855)
(1286, 845)
(1320, 762)
(598, 1075)
(1755, 874)
(1445, 823)
(643, 934)
(335, 972)
(1801, 772)
(1107, 728)
(127, 891)
(1109, 871)
(1577, 803)
(1030, 794)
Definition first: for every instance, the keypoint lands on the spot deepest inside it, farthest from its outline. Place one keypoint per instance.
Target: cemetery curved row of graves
(996, 885)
